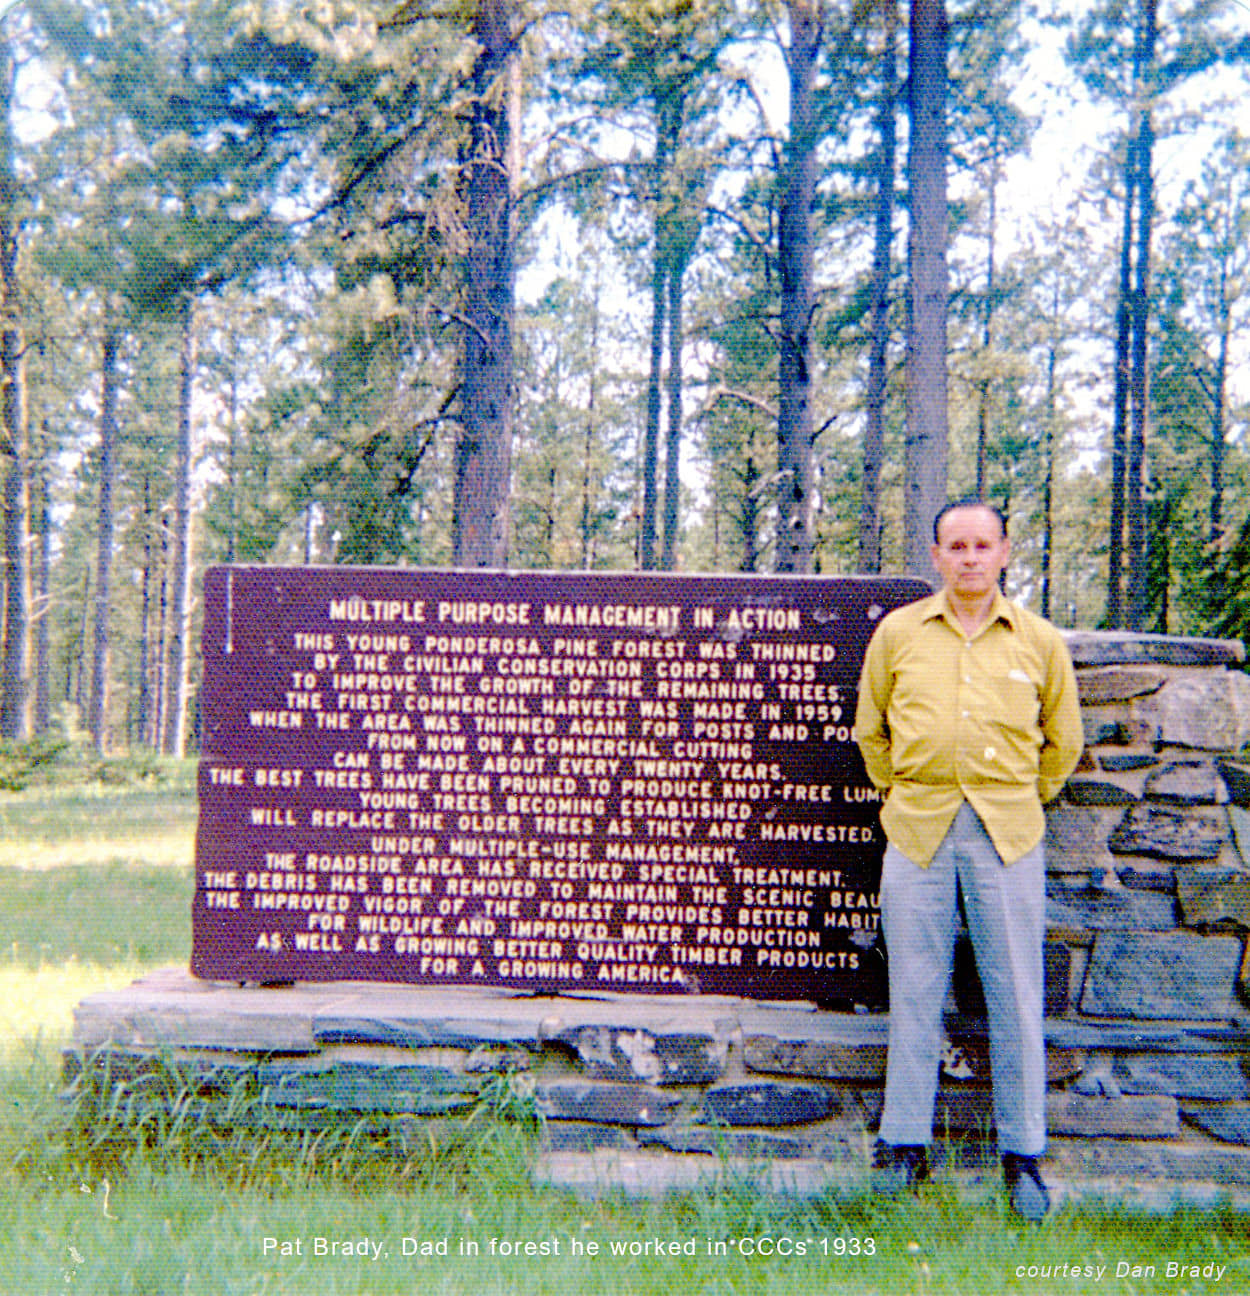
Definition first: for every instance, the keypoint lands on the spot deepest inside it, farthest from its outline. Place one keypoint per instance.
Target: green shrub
(20, 762)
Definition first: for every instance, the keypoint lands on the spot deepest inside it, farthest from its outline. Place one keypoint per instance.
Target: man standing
(968, 718)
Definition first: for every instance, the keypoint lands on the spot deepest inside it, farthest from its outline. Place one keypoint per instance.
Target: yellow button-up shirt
(942, 719)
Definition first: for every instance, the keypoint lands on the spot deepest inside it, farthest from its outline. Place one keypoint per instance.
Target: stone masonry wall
(1148, 1029)
(1149, 895)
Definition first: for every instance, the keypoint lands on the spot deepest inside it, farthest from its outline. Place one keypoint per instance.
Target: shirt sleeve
(1063, 735)
(872, 730)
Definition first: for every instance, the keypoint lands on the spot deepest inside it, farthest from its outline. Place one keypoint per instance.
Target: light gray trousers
(1005, 907)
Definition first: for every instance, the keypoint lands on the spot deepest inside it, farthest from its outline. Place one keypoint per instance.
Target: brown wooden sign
(553, 782)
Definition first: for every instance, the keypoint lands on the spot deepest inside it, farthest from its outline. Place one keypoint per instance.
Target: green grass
(107, 915)
(95, 889)
(181, 1207)
(78, 825)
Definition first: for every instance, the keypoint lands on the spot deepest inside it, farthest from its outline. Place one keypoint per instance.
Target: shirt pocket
(1015, 699)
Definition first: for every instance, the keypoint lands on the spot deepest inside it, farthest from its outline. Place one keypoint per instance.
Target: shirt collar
(937, 608)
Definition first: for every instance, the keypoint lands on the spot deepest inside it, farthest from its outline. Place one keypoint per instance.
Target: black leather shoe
(897, 1168)
(1029, 1196)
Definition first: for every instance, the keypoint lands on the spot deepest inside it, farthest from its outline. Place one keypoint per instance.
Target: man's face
(971, 551)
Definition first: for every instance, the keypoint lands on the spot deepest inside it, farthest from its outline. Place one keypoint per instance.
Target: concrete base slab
(171, 1008)
(648, 1174)
(636, 1174)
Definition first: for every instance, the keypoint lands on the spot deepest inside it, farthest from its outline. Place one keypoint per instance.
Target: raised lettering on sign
(540, 781)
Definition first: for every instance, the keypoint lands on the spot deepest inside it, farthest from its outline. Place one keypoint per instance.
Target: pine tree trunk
(750, 516)
(795, 486)
(160, 695)
(480, 513)
(80, 656)
(97, 715)
(180, 624)
(1139, 386)
(924, 485)
(232, 460)
(43, 610)
(1119, 418)
(987, 320)
(883, 236)
(1219, 398)
(146, 735)
(588, 441)
(1048, 467)
(14, 673)
(672, 443)
(648, 530)
(1215, 579)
